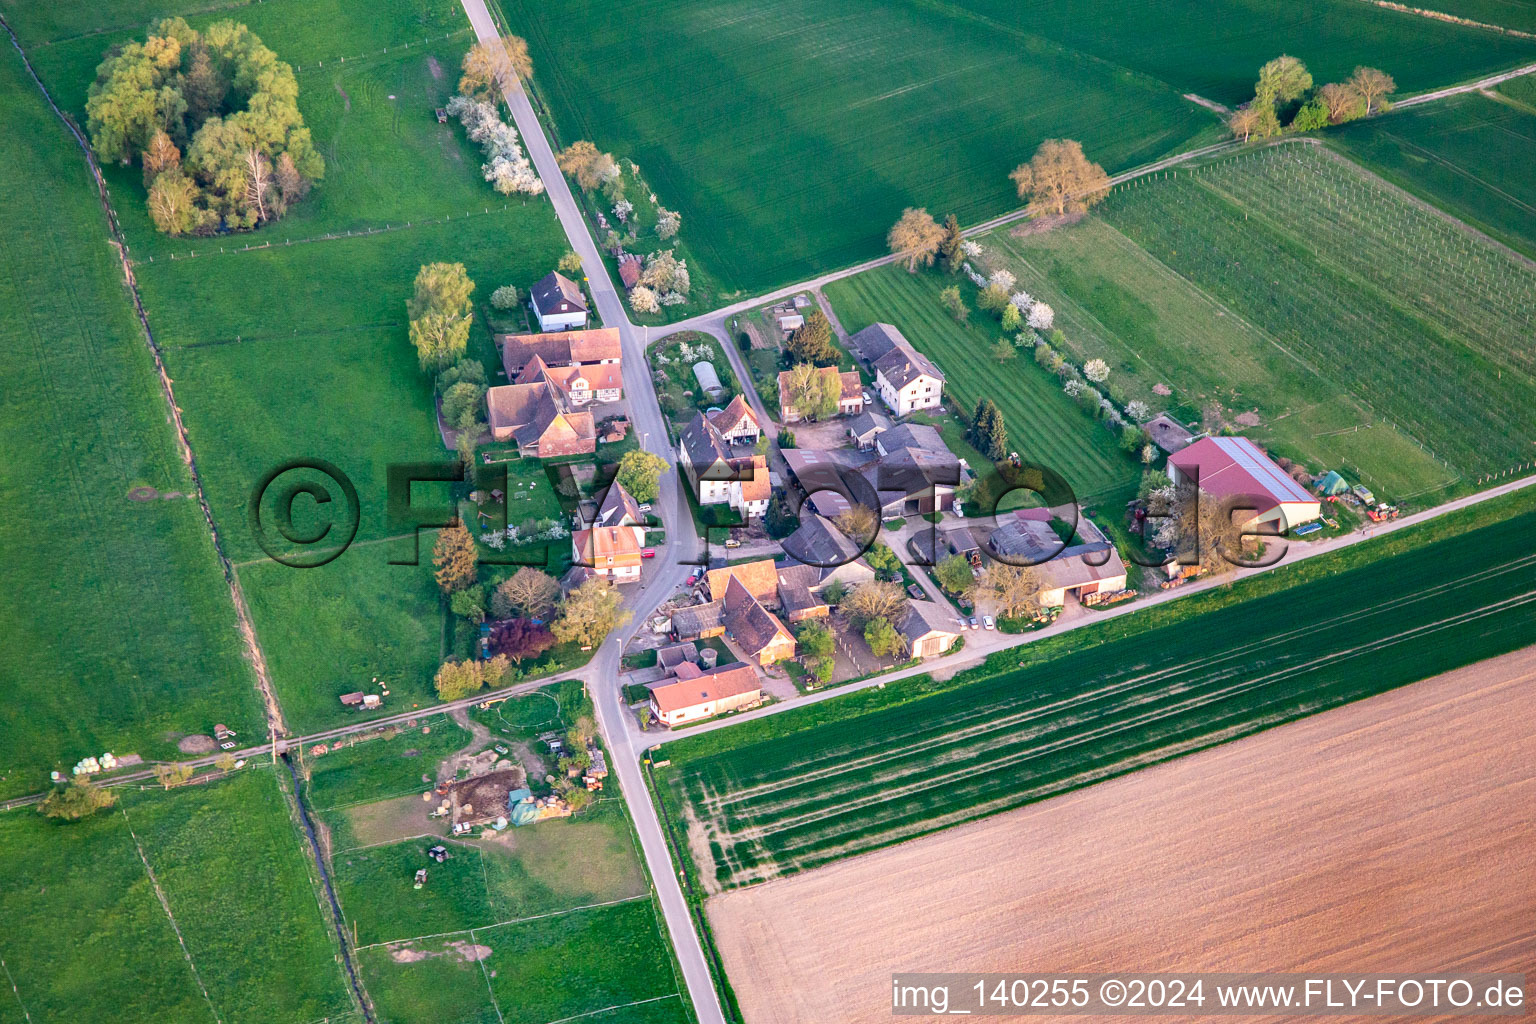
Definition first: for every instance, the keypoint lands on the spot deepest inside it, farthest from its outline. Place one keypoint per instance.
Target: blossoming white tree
(1041, 316)
(1096, 370)
(643, 300)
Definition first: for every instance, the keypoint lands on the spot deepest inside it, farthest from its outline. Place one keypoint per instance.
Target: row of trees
(1284, 99)
(213, 118)
(1059, 179)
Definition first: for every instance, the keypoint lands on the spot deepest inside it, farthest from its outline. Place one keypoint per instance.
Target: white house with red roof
(1233, 468)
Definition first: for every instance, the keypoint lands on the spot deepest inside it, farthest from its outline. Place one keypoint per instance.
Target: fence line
(298, 69)
(330, 236)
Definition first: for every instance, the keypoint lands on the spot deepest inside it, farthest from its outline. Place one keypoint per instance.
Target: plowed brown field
(1394, 834)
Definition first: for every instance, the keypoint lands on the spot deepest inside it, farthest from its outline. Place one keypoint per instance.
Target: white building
(558, 303)
(906, 379)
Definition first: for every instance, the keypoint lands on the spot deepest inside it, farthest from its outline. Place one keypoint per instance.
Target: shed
(708, 379)
(352, 700)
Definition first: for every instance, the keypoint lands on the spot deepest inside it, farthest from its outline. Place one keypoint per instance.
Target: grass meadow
(1425, 325)
(1044, 425)
(807, 127)
(87, 937)
(810, 786)
(119, 631)
(1468, 155)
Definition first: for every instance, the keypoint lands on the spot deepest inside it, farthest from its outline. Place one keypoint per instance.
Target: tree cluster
(1284, 99)
(213, 117)
(81, 798)
(506, 167)
(988, 432)
(592, 168)
(458, 679)
(812, 393)
(811, 342)
(438, 311)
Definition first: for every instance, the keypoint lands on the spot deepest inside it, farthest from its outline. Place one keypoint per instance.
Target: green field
(791, 134)
(119, 631)
(561, 909)
(1468, 155)
(1044, 425)
(1519, 15)
(1425, 326)
(87, 937)
(787, 793)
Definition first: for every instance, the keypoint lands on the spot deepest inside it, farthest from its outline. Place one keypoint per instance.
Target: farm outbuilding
(1235, 469)
(709, 380)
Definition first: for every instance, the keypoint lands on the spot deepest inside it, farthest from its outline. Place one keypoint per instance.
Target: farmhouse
(1090, 567)
(540, 418)
(612, 552)
(817, 545)
(737, 423)
(1234, 469)
(597, 354)
(850, 400)
(694, 693)
(742, 618)
(558, 303)
(581, 385)
(792, 587)
(906, 379)
(928, 632)
(916, 472)
(719, 477)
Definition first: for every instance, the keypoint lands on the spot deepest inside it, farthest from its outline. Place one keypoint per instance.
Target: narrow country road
(602, 674)
(1456, 90)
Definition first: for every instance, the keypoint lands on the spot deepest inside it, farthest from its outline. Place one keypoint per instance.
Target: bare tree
(1243, 122)
(258, 184)
(160, 155)
(1340, 100)
(915, 238)
(874, 600)
(1372, 85)
(486, 63)
(1015, 589)
(590, 167)
(859, 523)
(1060, 178)
(526, 592)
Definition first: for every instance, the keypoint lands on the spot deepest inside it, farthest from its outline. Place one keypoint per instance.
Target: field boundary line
(616, 1006)
(1433, 15)
(501, 924)
(14, 990)
(495, 1005)
(165, 905)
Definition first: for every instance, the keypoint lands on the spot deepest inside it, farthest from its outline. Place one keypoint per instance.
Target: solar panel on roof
(1249, 458)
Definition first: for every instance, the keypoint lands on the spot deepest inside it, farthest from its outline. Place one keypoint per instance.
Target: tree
(173, 204)
(456, 558)
(527, 592)
(160, 156)
(589, 613)
(456, 680)
(1096, 370)
(667, 223)
(640, 474)
(80, 799)
(581, 734)
(468, 604)
(815, 640)
(590, 167)
(950, 299)
(811, 342)
(1283, 80)
(1059, 178)
(1041, 316)
(643, 300)
(874, 600)
(506, 297)
(260, 191)
(1012, 319)
(811, 392)
(954, 574)
(1003, 349)
(438, 310)
(835, 592)
(882, 559)
(1312, 116)
(461, 405)
(988, 431)
(1015, 589)
(915, 238)
(1343, 102)
(486, 63)
(951, 251)
(1372, 85)
(570, 263)
(172, 774)
(882, 637)
(521, 638)
(1243, 122)
(859, 523)
(1200, 528)
(225, 762)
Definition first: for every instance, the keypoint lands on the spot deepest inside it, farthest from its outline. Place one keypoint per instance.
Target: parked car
(732, 542)
(974, 623)
(867, 399)
(916, 592)
(648, 553)
(695, 576)
(644, 507)
(986, 620)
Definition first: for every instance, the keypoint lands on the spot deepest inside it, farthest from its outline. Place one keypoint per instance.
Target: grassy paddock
(119, 632)
(87, 936)
(1468, 155)
(1044, 425)
(847, 776)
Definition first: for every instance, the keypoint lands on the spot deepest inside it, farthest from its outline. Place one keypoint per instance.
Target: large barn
(1234, 468)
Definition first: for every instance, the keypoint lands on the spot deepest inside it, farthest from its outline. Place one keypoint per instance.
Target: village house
(558, 303)
(850, 400)
(742, 619)
(914, 474)
(906, 379)
(540, 419)
(619, 508)
(737, 423)
(719, 477)
(596, 355)
(612, 552)
(1091, 566)
(1235, 470)
(694, 693)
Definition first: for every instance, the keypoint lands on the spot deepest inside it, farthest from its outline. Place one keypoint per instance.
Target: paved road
(602, 674)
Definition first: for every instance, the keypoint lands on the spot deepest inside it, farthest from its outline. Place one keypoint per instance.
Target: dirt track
(1392, 834)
